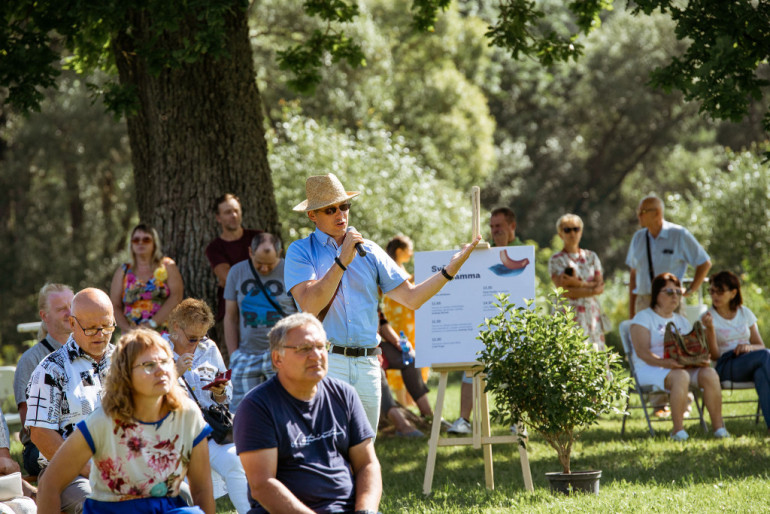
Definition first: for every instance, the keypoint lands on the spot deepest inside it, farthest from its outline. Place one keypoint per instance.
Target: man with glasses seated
(303, 437)
(327, 279)
(66, 386)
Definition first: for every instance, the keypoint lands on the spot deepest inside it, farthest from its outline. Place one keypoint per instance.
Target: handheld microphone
(359, 246)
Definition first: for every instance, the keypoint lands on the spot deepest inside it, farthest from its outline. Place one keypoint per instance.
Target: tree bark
(197, 134)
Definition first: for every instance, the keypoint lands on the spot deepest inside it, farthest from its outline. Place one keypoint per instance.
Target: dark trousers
(29, 458)
(753, 366)
(412, 377)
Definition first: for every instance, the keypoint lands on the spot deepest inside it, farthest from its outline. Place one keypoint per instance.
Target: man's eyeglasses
(672, 292)
(141, 239)
(714, 290)
(194, 340)
(567, 230)
(93, 331)
(644, 211)
(307, 349)
(150, 367)
(333, 209)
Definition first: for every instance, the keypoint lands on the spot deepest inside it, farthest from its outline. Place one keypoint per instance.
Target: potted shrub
(544, 374)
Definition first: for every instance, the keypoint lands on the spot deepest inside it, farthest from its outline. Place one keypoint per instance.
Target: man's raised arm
(413, 296)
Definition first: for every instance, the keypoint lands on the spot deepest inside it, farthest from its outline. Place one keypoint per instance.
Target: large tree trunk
(197, 134)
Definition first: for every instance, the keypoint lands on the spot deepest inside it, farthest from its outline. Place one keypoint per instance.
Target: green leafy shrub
(545, 374)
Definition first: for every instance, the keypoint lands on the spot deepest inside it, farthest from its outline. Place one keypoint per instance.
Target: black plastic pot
(577, 481)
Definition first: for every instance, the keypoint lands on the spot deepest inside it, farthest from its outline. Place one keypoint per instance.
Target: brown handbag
(690, 350)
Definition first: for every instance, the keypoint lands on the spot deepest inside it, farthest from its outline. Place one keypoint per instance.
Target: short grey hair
(656, 199)
(279, 333)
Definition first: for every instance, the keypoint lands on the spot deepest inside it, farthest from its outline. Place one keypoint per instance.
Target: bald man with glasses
(66, 386)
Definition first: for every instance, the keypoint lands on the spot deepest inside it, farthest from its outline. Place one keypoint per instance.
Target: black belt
(355, 352)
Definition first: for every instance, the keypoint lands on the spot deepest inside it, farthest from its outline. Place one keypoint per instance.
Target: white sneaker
(680, 436)
(722, 433)
(460, 426)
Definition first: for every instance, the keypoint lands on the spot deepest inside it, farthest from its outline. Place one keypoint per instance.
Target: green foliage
(66, 199)
(399, 196)
(728, 42)
(35, 36)
(544, 374)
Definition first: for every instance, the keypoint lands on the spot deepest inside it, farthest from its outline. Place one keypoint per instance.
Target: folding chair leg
(626, 413)
(646, 415)
(698, 405)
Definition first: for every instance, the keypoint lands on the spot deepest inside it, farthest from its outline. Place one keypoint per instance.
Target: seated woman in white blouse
(647, 331)
(734, 341)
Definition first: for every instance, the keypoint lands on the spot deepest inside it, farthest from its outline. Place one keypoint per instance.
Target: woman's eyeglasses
(141, 239)
(714, 290)
(672, 292)
(307, 349)
(331, 210)
(193, 340)
(151, 367)
(567, 230)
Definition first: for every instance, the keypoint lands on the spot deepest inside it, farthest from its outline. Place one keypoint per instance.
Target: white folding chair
(645, 390)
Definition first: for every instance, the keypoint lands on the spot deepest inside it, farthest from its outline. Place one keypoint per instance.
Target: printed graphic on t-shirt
(256, 309)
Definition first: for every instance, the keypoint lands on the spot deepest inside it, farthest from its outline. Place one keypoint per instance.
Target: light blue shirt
(671, 252)
(352, 319)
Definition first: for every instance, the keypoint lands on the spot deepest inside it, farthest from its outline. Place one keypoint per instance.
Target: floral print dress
(588, 312)
(140, 461)
(142, 300)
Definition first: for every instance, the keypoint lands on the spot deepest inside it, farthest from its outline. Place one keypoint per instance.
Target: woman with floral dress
(579, 273)
(146, 290)
(143, 440)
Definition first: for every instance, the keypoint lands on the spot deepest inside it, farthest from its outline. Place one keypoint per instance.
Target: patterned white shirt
(207, 362)
(65, 388)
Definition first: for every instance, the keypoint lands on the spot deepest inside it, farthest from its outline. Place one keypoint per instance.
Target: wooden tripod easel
(481, 437)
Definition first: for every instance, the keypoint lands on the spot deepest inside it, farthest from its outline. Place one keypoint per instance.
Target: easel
(482, 436)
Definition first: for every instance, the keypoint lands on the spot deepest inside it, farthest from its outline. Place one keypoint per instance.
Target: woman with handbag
(733, 338)
(579, 273)
(198, 362)
(648, 330)
(142, 441)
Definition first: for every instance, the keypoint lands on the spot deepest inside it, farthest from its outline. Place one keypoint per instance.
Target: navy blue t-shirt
(312, 439)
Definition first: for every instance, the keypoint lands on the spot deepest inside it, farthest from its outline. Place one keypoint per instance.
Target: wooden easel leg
(486, 432)
(435, 432)
(525, 471)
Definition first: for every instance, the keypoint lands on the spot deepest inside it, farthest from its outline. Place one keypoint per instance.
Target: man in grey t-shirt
(54, 301)
(255, 299)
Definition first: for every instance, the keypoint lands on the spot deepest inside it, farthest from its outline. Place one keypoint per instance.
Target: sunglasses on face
(672, 292)
(332, 210)
(567, 230)
(141, 239)
(151, 367)
(714, 290)
(93, 331)
(307, 349)
(194, 340)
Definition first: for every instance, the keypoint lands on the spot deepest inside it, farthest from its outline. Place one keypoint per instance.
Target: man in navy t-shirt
(304, 439)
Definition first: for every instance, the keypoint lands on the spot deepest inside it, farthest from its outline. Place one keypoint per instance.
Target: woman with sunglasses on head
(579, 273)
(733, 338)
(647, 332)
(198, 361)
(143, 440)
(145, 290)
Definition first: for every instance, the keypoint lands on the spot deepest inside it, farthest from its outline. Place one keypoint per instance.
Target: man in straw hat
(327, 279)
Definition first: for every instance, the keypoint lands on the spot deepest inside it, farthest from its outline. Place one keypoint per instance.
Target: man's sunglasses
(332, 210)
(567, 230)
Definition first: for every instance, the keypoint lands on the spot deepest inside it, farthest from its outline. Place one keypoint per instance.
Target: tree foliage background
(571, 126)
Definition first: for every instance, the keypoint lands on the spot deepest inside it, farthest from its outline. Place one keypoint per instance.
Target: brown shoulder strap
(321, 315)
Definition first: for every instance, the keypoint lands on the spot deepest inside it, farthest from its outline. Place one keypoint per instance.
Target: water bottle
(403, 342)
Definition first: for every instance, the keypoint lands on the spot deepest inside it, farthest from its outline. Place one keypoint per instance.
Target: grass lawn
(639, 473)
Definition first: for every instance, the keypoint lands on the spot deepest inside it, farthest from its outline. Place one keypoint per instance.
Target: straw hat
(323, 191)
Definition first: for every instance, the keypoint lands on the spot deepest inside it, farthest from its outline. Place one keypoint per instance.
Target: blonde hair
(567, 218)
(117, 396)
(191, 312)
(42, 303)
(157, 253)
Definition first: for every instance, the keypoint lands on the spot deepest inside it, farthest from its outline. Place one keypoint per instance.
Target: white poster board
(447, 325)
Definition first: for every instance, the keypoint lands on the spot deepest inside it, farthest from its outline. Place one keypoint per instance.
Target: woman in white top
(647, 331)
(734, 341)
